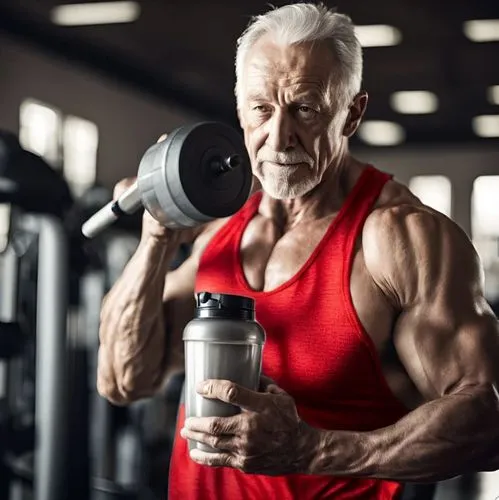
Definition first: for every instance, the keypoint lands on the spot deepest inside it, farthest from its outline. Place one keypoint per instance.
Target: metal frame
(51, 360)
(9, 272)
(51, 409)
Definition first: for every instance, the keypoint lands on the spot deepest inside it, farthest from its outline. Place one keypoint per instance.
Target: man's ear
(240, 117)
(355, 114)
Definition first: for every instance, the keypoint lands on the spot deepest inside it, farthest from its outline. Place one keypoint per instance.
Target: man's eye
(306, 110)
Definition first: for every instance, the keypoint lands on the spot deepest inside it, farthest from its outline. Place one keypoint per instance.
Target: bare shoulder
(394, 193)
(410, 249)
(205, 234)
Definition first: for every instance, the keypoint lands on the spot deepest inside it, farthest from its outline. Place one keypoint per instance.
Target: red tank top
(316, 350)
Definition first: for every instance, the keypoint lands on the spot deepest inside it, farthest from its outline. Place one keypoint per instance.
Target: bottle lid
(225, 304)
(216, 306)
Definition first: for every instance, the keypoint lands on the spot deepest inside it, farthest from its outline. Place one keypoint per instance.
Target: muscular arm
(132, 355)
(143, 316)
(448, 340)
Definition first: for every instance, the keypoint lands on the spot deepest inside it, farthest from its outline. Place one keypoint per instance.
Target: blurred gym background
(86, 89)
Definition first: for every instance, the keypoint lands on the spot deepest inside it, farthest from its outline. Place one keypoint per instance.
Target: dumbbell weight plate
(176, 180)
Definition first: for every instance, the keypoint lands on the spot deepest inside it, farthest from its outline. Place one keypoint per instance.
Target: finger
(213, 459)
(275, 389)
(265, 382)
(162, 137)
(222, 443)
(232, 393)
(215, 425)
(122, 186)
(269, 385)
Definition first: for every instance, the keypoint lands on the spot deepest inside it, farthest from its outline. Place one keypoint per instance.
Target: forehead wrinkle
(298, 56)
(285, 72)
(305, 89)
(270, 67)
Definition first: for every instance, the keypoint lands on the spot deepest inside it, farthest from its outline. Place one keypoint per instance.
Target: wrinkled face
(293, 128)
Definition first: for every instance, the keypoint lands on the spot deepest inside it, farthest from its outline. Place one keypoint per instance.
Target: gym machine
(34, 449)
(200, 173)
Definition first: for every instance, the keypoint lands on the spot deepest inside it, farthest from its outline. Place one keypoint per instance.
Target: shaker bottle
(223, 341)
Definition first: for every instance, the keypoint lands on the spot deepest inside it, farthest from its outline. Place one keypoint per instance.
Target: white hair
(307, 22)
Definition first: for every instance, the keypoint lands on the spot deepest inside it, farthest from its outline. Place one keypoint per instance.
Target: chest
(269, 259)
(326, 319)
(270, 256)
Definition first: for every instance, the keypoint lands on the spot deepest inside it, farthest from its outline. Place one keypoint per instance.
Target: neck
(323, 201)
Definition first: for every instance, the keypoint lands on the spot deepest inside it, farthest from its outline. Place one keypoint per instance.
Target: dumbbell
(201, 172)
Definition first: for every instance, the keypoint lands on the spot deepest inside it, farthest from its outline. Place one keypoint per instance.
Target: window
(66, 142)
(485, 206)
(485, 229)
(80, 140)
(40, 129)
(4, 225)
(434, 191)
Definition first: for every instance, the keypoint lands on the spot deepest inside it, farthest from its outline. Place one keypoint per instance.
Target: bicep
(444, 349)
(178, 294)
(446, 335)
(180, 283)
(178, 307)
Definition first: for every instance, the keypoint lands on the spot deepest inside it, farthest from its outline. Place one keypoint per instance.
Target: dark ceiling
(183, 52)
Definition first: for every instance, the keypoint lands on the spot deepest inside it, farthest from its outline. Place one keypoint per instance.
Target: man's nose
(281, 134)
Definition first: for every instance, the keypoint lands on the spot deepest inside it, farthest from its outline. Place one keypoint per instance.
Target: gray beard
(286, 182)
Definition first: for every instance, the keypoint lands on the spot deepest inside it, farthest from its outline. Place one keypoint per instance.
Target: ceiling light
(493, 94)
(414, 102)
(484, 30)
(378, 35)
(95, 13)
(486, 125)
(381, 133)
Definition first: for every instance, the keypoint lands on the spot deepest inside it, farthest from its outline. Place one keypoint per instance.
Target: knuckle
(209, 387)
(128, 381)
(123, 185)
(215, 427)
(244, 464)
(244, 444)
(231, 392)
(250, 424)
(109, 391)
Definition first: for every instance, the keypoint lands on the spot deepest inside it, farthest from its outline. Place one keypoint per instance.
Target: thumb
(269, 385)
(122, 186)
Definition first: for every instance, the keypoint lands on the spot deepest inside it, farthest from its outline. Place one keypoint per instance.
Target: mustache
(284, 157)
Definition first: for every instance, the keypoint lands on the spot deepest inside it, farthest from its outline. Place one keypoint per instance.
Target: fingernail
(201, 387)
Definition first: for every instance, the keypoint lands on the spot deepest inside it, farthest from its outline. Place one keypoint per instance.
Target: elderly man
(381, 349)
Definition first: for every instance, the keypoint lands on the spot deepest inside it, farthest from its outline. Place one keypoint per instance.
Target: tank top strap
(361, 201)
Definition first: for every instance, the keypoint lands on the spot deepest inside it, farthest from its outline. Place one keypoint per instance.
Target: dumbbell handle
(128, 203)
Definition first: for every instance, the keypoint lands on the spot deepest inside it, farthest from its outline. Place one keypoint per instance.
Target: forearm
(132, 331)
(444, 438)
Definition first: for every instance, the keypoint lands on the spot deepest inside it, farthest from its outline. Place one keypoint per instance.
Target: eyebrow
(257, 96)
(308, 95)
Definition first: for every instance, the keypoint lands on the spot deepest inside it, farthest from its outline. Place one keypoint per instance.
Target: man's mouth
(287, 164)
